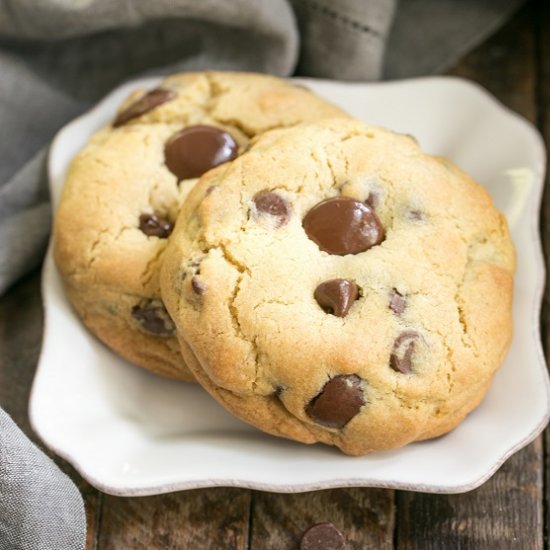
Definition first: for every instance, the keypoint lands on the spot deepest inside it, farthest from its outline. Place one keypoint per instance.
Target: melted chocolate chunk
(196, 149)
(154, 226)
(336, 296)
(397, 302)
(403, 349)
(274, 205)
(197, 285)
(323, 536)
(143, 105)
(338, 402)
(342, 225)
(154, 318)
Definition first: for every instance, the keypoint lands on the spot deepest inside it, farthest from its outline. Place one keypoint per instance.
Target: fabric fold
(40, 507)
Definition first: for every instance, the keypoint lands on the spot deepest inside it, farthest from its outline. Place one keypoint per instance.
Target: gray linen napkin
(40, 507)
(57, 57)
(428, 36)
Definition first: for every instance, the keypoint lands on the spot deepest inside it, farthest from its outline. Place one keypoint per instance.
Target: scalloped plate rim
(121, 489)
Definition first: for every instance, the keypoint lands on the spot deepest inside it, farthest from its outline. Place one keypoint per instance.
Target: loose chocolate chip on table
(336, 296)
(274, 205)
(143, 105)
(154, 226)
(403, 349)
(154, 318)
(342, 225)
(197, 285)
(196, 149)
(338, 402)
(397, 302)
(322, 536)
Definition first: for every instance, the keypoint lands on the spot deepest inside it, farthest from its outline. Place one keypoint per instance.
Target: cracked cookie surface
(125, 189)
(353, 290)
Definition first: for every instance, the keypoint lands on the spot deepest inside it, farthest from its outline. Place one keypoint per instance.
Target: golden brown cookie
(125, 189)
(335, 284)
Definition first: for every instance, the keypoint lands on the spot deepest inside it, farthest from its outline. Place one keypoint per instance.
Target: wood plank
(506, 512)
(208, 518)
(364, 516)
(93, 500)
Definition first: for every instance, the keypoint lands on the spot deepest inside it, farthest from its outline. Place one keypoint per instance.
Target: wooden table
(509, 511)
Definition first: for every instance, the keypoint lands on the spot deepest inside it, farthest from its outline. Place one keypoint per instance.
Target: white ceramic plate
(131, 433)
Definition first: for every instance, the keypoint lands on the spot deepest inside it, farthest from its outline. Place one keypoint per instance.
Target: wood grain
(364, 516)
(505, 512)
(208, 518)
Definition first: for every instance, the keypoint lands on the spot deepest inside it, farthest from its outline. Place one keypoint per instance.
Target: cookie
(337, 285)
(124, 191)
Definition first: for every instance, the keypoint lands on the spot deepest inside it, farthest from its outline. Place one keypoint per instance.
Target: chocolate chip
(154, 226)
(338, 402)
(403, 349)
(274, 205)
(194, 150)
(343, 225)
(336, 296)
(323, 536)
(397, 302)
(197, 285)
(154, 318)
(143, 105)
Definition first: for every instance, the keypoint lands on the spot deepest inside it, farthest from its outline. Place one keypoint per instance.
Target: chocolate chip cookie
(335, 284)
(125, 189)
